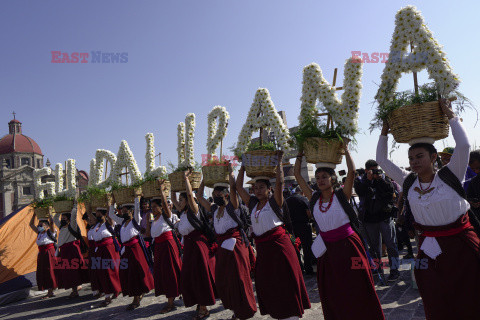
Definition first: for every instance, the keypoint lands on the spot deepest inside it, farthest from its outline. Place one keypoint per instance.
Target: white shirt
(65, 236)
(91, 233)
(184, 226)
(159, 226)
(226, 222)
(267, 220)
(334, 218)
(101, 232)
(442, 205)
(127, 231)
(43, 239)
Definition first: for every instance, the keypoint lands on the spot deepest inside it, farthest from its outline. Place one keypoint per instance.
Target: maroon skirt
(46, 262)
(167, 266)
(449, 285)
(279, 282)
(106, 265)
(94, 282)
(72, 268)
(232, 274)
(344, 277)
(198, 271)
(135, 275)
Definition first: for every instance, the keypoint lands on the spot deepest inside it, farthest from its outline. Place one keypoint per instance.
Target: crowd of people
(206, 249)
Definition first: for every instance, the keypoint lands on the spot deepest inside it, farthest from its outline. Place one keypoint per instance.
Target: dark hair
(67, 215)
(267, 182)
(222, 190)
(360, 171)
(103, 212)
(85, 216)
(370, 163)
(474, 156)
(430, 149)
(158, 202)
(43, 221)
(129, 207)
(183, 195)
(331, 173)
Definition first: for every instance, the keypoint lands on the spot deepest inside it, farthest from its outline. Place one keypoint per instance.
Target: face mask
(219, 201)
(126, 216)
(40, 228)
(63, 223)
(99, 219)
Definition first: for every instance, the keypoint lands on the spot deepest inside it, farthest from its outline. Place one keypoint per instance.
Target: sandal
(133, 306)
(168, 308)
(200, 316)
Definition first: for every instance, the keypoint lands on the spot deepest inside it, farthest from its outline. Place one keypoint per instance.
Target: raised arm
(136, 210)
(32, 223)
(113, 216)
(166, 209)
(239, 186)
(233, 188)
(459, 162)
(148, 230)
(56, 219)
(388, 166)
(73, 216)
(203, 202)
(51, 225)
(297, 171)
(173, 196)
(190, 199)
(348, 185)
(280, 183)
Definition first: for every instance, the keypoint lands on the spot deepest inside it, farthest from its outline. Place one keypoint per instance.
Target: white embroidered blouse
(334, 218)
(159, 226)
(264, 220)
(43, 239)
(184, 226)
(128, 231)
(226, 222)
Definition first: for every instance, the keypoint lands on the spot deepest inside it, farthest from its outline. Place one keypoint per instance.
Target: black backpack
(452, 181)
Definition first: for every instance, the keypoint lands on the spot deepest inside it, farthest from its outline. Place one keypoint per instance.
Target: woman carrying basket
(343, 270)
(448, 272)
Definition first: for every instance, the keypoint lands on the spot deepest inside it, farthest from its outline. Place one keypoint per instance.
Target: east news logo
(92, 57)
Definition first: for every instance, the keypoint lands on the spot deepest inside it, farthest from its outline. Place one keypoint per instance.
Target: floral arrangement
(97, 167)
(43, 203)
(152, 172)
(410, 28)
(39, 186)
(126, 159)
(216, 134)
(344, 112)
(71, 170)
(58, 178)
(263, 104)
(186, 155)
(93, 179)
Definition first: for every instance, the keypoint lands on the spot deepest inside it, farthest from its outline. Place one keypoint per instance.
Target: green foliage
(426, 93)
(173, 168)
(62, 198)
(149, 177)
(44, 203)
(313, 128)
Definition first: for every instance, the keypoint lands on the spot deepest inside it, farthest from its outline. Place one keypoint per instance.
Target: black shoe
(393, 276)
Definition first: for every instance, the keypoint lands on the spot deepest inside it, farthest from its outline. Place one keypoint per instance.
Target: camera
(377, 171)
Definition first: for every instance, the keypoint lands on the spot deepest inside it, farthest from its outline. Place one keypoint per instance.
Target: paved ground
(400, 301)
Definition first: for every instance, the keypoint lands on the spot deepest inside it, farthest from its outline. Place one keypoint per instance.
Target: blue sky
(188, 56)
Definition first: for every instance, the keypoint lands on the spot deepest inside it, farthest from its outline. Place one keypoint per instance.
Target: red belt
(456, 227)
(45, 247)
(231, 233)
(70, 244)
(104, 242)
(270, 235)
(131, 242)
(337, 234)
(168, 235)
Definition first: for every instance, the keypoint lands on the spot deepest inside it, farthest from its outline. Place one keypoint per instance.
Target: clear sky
(188, 56)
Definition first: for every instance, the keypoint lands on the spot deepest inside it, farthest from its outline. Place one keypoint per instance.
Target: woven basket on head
(153, 189)
(177, 180)
(425, 120)
(43, 213)
(124, 195)
(320, 150)
(100, 202)
(260, 163)
(63, 206)
(214, 174)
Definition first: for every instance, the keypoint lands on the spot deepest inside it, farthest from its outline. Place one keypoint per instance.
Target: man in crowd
(377, 193)
(445, 157)
(300, 216)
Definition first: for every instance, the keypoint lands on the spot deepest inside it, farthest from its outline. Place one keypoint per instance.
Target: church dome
(15, 141)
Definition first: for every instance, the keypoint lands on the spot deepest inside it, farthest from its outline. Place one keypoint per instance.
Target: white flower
(39, 186)
(214, 135)
(150, 159)
(125, 159)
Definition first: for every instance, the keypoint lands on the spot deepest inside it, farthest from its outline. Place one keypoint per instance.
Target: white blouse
(128, 231)
(43, 239)
(226, 222)
(101, 232)
(334, 218)
(91, 233)
(442, 205)
(184, 226)
(267, 219)
(159, 226)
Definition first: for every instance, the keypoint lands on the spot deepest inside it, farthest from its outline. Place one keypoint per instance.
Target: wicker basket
(100, 202)
(214, 174)
(124, 195)
(63, 206)
(260, 163)
(416, 121)
(151, 189)
(319, 150)
(43, 213)
(177, 180)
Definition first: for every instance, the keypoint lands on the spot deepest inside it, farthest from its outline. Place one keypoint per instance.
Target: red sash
(131, 242)
(70, 244)
(270, 235)
(104, 242)
(451, 229)
(337, 234)
(168, 235)
(231, 233)
(45, 248)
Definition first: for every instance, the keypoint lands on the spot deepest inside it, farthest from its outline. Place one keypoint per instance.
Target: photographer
(377, 212)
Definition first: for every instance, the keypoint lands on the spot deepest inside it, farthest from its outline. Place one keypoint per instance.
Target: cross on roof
(13, 115)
